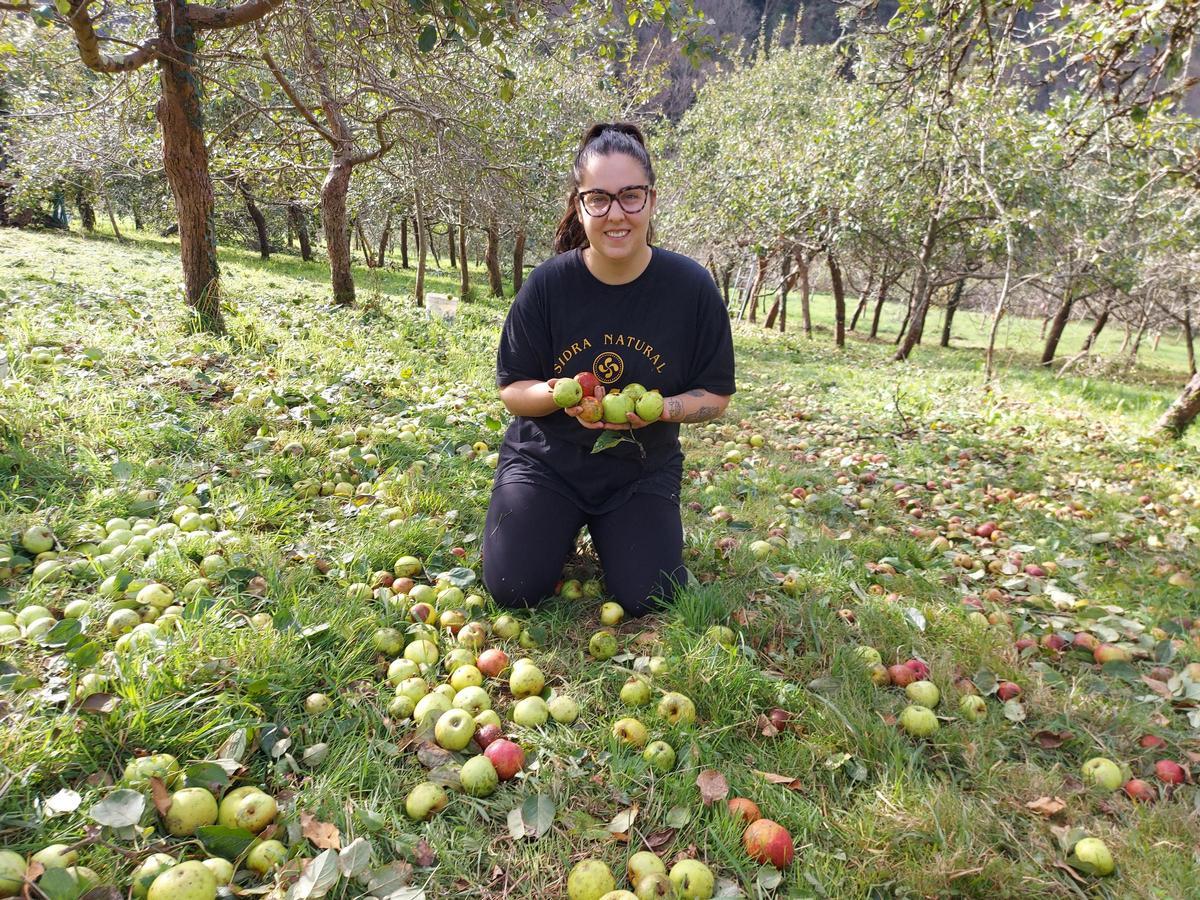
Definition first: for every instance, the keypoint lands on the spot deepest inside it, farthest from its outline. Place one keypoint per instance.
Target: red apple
(1170, 772)
(985, 530)
(1085, 640)
(1151, 742)
(1054, 642)
(486, 735)
(902, 676)
(745, 809)
(403, 585)
(769, 842)
(507, 757)
(1033, 570)
(780, 718)
(492, 662)
(588, 382)
(1143, 791)
(920, 667)
(1008, 691)
(1024, 644)
(1162, 673)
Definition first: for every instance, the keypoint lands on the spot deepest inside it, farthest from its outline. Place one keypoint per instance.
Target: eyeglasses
(632, 199)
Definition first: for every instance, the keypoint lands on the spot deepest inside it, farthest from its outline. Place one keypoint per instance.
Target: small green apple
(425, 800)
(454, 729)
(661, 757)
(630, 731)
(317, 704)
(635, 692)
(1103, 773)
(677, 709)
(611, 613)
(222, 869)
(530, 712)
(478, 776)
(643, 863)
(692, 879)
(973, 708)
(563, 709)
(265, 856)
(56, 856)
(191, 808)
(918, 721)
(1095, 856)
(603, 645)
(186, 881)
(923, 693)
(590, 879)
(12, 873)
(153, 866)
(525, 680)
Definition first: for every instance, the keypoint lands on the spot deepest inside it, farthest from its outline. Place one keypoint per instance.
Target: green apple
(122, 621)
(265, 856)
(401, 707)
(918, 721)
(413, 688)
(649, 406)
(191, 808)
(630, 731)
(12, 873)
(661, 757)
(473, 699)
(186, 881)
(454, 729)
(77, 609)
(567, 392)
(923, 693)
(317, 704)
(1093, 853)
(478, 776)
(253, 811)
(222, 869)
(425, 801)
(635, 692)
(563, 709)
(603, 645)
(1103, 773)
(506, 627)
(422, 652)
(973, 708)
(616, 409)
(401, 669)
(430, 705)
(406, 566)
(677, 708)
(446, 690)
(868, 656)
(611, 613)
(692, 879)
(655, 887)
(644, 863)
(157, 595)
(388, 640)
(153, 866)
(530, 712)
(140, 770)
(31, 614)
(457, 659)
(488, 717)
(37, 539)
(525, 679)
(721, 634)
(56, 856)
(590, 879)
(466, 676)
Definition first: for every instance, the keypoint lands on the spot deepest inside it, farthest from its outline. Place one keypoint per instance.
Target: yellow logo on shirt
(608, 367)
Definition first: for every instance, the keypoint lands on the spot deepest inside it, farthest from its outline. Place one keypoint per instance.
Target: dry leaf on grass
(322, 834)
(713, 786)
(1046, 806)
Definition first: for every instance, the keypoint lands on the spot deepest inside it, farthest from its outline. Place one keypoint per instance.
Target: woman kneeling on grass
(610, 304)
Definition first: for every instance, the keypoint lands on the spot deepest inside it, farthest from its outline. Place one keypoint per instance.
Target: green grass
(241, 420)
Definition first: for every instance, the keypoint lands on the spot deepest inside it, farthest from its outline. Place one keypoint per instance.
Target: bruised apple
(590, 410)
(768, 842)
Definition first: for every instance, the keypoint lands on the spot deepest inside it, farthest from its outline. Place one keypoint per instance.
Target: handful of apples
(614, 406)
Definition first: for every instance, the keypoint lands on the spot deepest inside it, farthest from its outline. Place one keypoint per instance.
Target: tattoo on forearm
(696, 392)
(674, 409)
(703, 414)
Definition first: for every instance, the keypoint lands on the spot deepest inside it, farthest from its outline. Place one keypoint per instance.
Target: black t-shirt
(668, 329)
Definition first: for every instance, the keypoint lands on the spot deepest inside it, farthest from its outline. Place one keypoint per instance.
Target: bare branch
(293, 96)
(244, 13)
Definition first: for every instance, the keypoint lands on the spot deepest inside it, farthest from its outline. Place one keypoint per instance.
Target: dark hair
(602, 139)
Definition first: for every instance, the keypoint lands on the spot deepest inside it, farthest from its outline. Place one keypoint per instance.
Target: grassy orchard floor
(871, 810)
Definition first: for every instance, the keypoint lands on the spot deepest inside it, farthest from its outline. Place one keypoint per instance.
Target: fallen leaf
(623, 821)
(424, 855)
(257, 586)
(764, 726)
(1046, 806)
(657, 840)
(713, 786)
(1051, 740)
(100, 703)
(788, 781)
(162, 797)
(432, 756)
(322, 834)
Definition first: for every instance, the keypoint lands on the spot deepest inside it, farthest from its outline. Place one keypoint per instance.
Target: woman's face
(619, 236)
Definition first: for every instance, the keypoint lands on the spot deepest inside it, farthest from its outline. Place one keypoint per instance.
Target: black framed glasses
(633, 199)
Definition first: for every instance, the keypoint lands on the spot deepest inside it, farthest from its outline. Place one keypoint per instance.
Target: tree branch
(293, 96)
(88, 42)
(211, 18)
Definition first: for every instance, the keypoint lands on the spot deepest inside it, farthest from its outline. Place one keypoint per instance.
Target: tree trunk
(1189, 340)
(1045, 322)
(1131, 361)
(1058, 325)
(990, 355)
(364, 245)
(87, 213)
(291, 232)
(518, 260)
(908, 311)
(299, 220)
(185, 160)
(1128, 335)
(880, 299)
(137, 215)
(495, 280)
(951, 309)
(863, 299)
(404, 242)
(437, 260)
(756, 283)
(779, 307)
(1182, 412)
(465, 281)
(1097, 327)
(260, 223)
(108, 208)
(451, 244)
(726, 277)
(383, 240)
(1157, 338)
(803, 268)
(921, 290)
(337, 232)
(422, 238)
(839, 300)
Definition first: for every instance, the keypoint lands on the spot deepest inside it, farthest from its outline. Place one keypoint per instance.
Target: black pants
(531, 530)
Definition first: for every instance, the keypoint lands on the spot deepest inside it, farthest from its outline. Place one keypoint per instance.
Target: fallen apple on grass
(692, 879)
(590, 879)
(507, 757)
(187, 881)
(919, 721)
(768, 842)
(478, 776)
(745, 809)
(1103, 773)
(1170, 772)
(643, 863)
(1094, 856)
(425, 801)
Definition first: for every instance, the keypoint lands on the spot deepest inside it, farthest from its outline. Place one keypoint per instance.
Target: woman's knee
(513, 588)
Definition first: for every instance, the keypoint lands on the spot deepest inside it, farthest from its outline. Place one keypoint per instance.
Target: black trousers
(531, 530)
